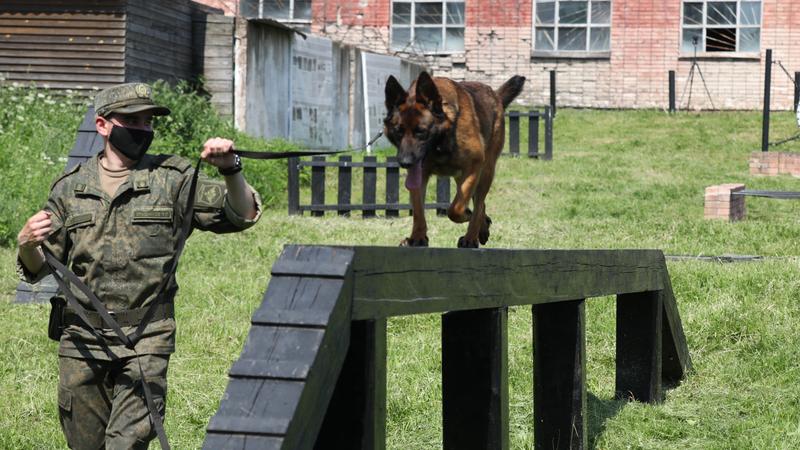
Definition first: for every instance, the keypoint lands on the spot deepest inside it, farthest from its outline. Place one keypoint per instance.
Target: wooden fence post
(442, 194)
(548, 133)
(533, 134)
(370, 181)
(356, 416)
(318, 186)
(513, 133)
(345, 184)
(559, 377)
(639, 329)
(475, 379)
(294, 185)
(392, 186)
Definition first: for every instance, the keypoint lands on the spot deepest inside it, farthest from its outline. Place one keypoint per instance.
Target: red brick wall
(227, 7)
(645, 45)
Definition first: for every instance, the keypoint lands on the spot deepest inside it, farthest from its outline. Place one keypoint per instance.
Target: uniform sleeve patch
(209, 194)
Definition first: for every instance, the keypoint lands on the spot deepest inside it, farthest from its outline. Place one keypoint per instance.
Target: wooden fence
(369, 205)
(533, 133)
(312, 373)
(370, 165)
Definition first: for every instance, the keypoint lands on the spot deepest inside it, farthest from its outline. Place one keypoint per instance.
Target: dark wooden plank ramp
(280, 386)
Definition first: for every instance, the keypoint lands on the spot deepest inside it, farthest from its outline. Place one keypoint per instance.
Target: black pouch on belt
(55, 325)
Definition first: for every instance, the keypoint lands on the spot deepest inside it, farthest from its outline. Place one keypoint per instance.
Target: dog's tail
(511, 89)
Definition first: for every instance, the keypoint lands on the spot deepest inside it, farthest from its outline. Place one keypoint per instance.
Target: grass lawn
(619, 179)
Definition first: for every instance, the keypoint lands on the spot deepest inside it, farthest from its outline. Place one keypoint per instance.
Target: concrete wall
(312, 90)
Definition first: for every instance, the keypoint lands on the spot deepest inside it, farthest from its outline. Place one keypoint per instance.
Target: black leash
(296, 154)
(60, 272)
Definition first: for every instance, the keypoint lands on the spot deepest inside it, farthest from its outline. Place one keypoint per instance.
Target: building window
(424, 26)
(721, 26)
(282, 10)
(572, 26)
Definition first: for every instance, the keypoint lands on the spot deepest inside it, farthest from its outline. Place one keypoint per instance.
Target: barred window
(572, 26)
(721, 26)
(282, 10)
(425, 26)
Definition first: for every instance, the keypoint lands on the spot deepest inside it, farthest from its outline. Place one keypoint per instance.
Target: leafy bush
(38, 129)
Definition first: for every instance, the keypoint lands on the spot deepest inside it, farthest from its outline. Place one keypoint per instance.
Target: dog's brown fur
(457, 129)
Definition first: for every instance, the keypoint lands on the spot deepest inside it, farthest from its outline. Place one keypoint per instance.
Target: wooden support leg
(475, 379)
(639, 329)
(356, 416)
(559, 379)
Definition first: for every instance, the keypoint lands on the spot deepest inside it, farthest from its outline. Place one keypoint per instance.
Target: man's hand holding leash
(218, 152)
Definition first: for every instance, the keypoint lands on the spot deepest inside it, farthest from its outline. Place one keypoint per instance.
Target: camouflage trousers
(101, 403)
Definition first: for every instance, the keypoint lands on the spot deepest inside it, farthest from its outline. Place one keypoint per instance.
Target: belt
(125, 318)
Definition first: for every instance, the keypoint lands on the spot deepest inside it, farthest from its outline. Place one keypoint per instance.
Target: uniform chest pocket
(152, 231)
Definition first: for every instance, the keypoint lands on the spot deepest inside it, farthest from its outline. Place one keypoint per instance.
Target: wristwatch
(236, 168)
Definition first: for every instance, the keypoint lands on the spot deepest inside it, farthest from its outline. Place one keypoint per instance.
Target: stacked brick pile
(775, 163)
(720, 203)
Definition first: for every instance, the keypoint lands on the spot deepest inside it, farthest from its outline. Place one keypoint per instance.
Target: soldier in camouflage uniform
(114, 221)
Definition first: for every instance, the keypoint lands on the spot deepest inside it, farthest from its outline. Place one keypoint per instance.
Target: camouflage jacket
(121, 246)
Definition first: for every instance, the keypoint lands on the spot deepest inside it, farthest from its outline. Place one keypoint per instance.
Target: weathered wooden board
(559, 375)
(356, 415)
(395, 281)
(638, 364)
(475, 379)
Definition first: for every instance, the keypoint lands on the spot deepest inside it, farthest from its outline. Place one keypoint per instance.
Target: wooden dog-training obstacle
(312, 373)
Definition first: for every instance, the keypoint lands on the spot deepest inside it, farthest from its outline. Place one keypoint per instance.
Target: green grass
(619, 179)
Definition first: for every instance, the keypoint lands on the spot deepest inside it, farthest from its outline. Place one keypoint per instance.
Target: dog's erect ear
(428, 94)
(394, 93)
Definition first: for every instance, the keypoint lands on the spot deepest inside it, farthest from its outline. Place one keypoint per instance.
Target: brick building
(607, 53)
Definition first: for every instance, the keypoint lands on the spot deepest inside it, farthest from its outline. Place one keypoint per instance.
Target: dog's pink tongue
(414, 176)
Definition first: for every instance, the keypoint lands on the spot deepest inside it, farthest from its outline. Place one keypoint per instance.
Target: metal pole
(767, 88)
(796, 90)
(672, 91)
(553, 93)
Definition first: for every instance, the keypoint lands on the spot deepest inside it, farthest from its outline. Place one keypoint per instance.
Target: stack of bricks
(720, 203)
(775, 163)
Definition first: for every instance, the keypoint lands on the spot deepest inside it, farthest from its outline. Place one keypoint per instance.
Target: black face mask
(131, 142)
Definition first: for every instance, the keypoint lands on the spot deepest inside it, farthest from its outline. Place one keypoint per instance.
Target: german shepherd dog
(449, 128)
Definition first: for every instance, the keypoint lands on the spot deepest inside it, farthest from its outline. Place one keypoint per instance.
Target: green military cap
(128, 98)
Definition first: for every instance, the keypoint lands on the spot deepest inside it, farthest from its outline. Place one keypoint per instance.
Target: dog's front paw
(463, 242)
(483, 235)
(410, 242)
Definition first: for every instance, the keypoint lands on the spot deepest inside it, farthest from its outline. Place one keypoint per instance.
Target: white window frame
(412, 26)
(738, 26)
(291, 18)
(588, 25)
